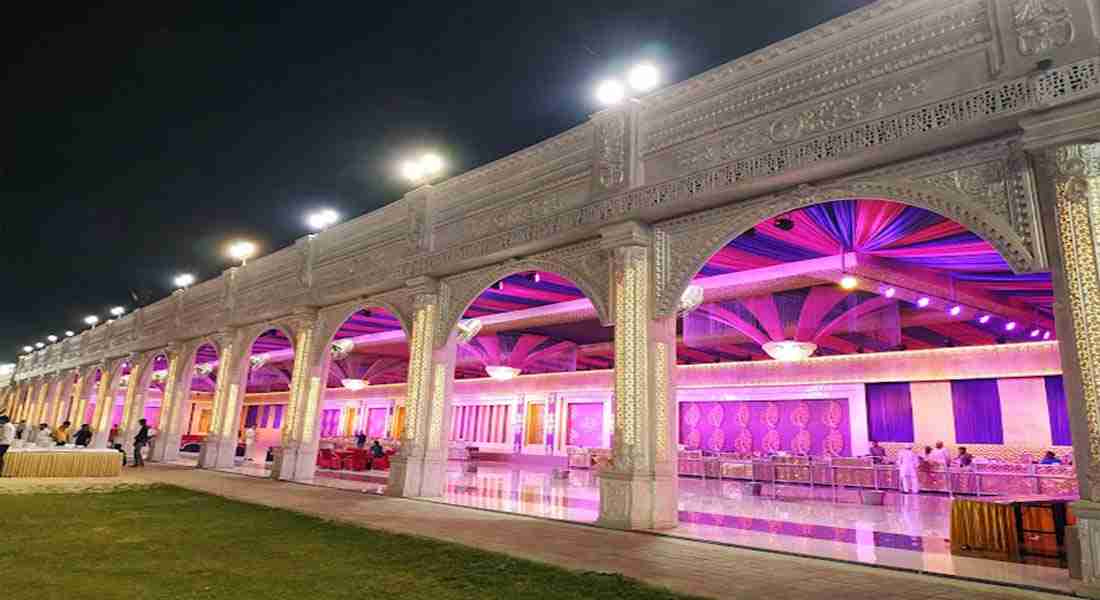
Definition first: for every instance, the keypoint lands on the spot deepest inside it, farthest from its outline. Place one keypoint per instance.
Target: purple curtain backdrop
(376, 423)
(265, 416)
(250, 416)
(152, 416)
(815, 427)
(330, 422)
(585, 424)
(278, 416)
(977, 407)
(889, 412)
(1058, 411)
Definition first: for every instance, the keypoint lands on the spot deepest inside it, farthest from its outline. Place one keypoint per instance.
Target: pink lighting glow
(955, 310)
(1034, 333)
(890, 292)
(1010, 325)
(1046, 335)
(984, 319)
(923, 302)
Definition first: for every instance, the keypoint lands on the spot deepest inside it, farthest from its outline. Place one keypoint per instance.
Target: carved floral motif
(1041, 25)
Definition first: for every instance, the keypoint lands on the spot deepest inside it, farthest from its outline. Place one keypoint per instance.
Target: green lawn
(166, 542)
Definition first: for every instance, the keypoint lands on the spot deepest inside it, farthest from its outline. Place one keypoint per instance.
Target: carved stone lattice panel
(1041, 25)
(683, 245)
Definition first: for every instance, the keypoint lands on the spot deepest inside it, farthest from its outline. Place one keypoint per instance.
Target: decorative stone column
(1069, 185)
(62, 399)
(640, 489)
(81, 390)
(43, 398)
(176, 402)
(420, 466)
(219, 450)
(105, 403)
(301, 425)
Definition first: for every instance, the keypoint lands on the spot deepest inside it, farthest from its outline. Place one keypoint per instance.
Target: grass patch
(167, 542)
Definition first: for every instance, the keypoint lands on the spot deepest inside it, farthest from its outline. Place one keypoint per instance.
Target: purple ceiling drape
(250, 416)
(889, 412)
(1058, 411)
(977, 408)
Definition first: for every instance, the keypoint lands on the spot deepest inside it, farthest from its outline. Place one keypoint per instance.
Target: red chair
(327, 459)
(382, 463)
(356, 461)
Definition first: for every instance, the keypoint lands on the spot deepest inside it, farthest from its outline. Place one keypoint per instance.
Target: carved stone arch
(685, 244)
(250, 333)
(333, 317)
(462, 290)
(147, 358)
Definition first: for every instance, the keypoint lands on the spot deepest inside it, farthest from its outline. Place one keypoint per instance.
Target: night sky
(139, 139)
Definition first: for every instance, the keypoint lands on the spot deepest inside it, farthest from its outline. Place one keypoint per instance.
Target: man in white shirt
(939, 456)
(7, 438)
(43, 439)
(908, 461)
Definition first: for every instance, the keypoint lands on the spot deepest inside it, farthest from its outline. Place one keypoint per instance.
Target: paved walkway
(681, 565)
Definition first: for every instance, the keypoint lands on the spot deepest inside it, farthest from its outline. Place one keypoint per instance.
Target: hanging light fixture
(502, 373)
(789, 350)
(467, 330)
(691, 299)
(354, 384)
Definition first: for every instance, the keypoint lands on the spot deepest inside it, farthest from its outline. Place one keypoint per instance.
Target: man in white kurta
(908, 461)
(249, 442)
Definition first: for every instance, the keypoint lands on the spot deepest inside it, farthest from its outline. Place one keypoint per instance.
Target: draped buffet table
(62, 462)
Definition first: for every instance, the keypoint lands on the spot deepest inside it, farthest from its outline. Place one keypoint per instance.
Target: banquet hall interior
(803, 341)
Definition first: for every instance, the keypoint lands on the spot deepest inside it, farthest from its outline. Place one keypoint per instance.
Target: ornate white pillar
(640, 489)
(105, 403)
(133, 408)
(44, 397)
(176, 403)
(1069, 184)
(81, 390)
(301, 425)
(219, 450)
(62, 397)
(420, 467)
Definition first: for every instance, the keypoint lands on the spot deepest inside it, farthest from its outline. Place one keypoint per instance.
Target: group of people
(909, 462)
(41, 436)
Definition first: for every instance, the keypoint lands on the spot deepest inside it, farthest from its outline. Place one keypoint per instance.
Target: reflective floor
(907, 532)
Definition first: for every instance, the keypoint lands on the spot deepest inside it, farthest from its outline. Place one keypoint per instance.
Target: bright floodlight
(890, 292)
(91, 319)
(242, 251)
(70, 333)
(923, 302)
(644, 77)
(849, 282)
(984, 319)
(51, 338)
(39, 345)
(431, 163)
(28, 348)
(1010, 325)
(184, 280)
(610, 92)
(955, 310)
(412, 170)
(322, 219)
(118, 311)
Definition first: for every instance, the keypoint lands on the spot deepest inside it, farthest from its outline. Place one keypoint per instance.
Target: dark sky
(139, 138)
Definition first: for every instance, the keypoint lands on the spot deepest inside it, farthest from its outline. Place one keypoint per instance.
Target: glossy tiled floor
(908, 532)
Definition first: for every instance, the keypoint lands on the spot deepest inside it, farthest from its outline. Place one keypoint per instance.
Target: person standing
(360, 439)
(140, 441)
(83, 436)
(939, 456)
(42, 439)
(7, 438)
(249, 442)
(877, 453)
(908, 461)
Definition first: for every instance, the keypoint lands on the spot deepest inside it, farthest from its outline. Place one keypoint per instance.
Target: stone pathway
(681, 565)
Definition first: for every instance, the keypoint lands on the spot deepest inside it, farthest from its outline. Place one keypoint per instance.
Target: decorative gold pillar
(1068, 178)
(177, 392)
(219, 450)
(137, 391)
(419, 468)
(62, 397)
(42, 402)
(296, 460)
(640, 489)
(81, 390)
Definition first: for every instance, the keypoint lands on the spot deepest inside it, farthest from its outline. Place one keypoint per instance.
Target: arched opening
(110, 399)
(257, 420)
(820, 345)
(532, 395)
(195, 413)
(362, 413)
(85, 413)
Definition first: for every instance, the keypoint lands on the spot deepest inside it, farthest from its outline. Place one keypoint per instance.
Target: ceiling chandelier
(354, 384)
(502, 373)
(789, 350)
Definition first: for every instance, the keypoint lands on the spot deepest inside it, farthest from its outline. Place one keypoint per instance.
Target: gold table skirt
(62, 464)
(984, 529)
